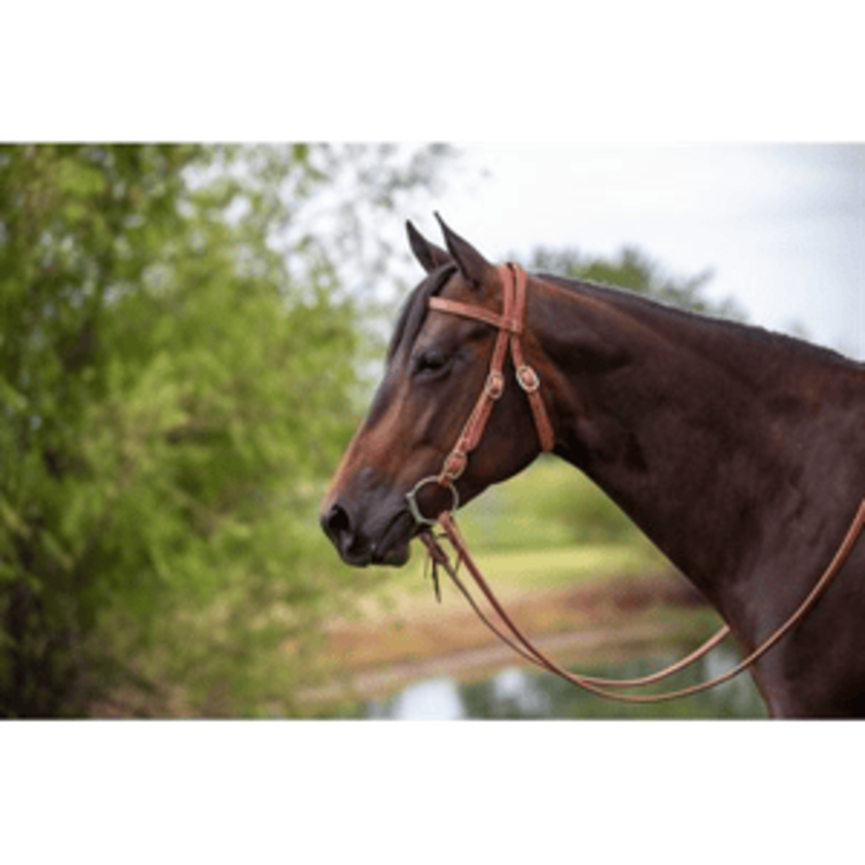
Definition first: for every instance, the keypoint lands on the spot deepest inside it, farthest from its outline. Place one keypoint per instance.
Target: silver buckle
(528, 379)
(495, 385)
(419, 518)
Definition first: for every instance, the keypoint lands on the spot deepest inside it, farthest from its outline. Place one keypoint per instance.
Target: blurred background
(189, 335)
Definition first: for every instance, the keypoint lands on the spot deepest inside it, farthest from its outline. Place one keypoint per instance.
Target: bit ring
(414, 509)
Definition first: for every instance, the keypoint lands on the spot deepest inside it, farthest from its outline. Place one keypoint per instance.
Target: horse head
(437, 365)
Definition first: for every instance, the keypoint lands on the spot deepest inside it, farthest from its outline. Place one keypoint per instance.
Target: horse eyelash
(431, 362)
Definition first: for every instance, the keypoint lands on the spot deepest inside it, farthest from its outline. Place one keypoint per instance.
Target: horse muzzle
(359, 548)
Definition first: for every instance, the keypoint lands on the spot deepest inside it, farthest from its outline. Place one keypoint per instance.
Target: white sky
(782, 226)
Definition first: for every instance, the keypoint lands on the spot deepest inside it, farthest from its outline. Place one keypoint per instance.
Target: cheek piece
(510, 324)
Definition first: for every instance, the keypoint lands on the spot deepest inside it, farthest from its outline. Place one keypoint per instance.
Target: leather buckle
(455, 465)
(495, 385)
(528, 379)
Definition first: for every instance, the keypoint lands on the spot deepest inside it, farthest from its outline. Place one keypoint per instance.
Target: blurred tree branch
(179, 363)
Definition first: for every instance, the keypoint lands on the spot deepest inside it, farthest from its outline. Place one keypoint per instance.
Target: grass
(548, 569)
(516, 514)
(550, 504)
(515, 573)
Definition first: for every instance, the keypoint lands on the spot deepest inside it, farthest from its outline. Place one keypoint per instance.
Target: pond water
(517, 693)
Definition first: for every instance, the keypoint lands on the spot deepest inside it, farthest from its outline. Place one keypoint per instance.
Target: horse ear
(430, 256)
(473, 266)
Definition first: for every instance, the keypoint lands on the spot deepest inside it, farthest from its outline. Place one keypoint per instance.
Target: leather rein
(510, 325)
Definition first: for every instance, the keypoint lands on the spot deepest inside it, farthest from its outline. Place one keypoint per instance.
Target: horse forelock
(415, 309)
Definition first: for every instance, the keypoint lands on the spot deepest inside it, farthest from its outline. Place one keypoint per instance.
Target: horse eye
(431, 361)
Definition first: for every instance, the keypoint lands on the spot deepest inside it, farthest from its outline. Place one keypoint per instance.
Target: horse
(737, 451)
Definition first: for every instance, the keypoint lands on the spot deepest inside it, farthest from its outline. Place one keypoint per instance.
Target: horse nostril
(339, 526)
(336, 522)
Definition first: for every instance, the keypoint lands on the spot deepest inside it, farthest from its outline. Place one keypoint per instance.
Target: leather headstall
(510, 325)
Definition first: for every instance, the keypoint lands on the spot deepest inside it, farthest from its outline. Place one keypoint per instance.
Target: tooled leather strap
(600, 687)
(527, 378)
(510, 325)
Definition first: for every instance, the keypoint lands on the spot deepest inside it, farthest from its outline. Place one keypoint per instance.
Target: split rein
(510, 327)
(602, 687)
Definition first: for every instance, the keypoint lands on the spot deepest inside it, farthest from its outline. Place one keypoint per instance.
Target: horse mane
(414, 311)
(631, 301)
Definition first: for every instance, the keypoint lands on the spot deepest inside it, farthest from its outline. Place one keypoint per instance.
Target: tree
(178, 374)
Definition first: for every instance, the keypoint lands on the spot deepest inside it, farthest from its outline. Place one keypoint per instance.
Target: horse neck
(696, 428)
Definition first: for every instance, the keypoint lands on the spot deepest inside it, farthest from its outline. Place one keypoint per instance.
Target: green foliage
(549, 505)
(588, 515)
(178, 375)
